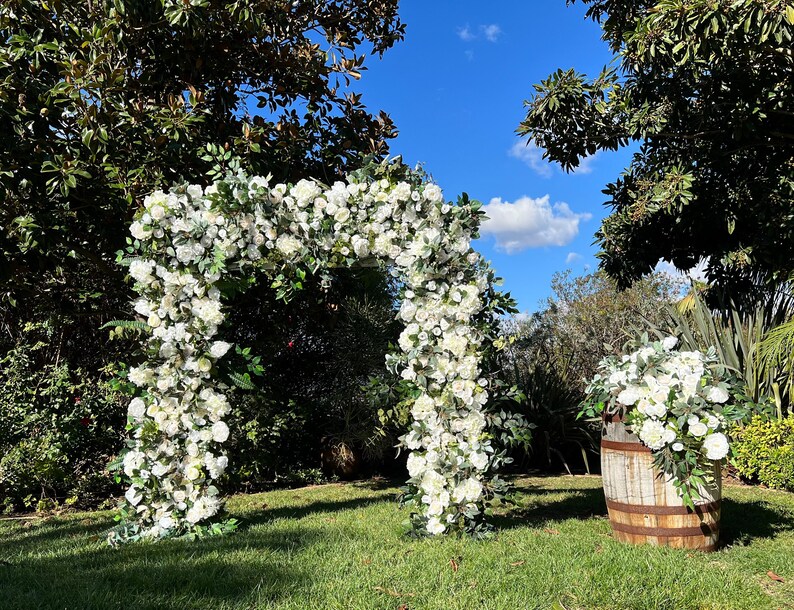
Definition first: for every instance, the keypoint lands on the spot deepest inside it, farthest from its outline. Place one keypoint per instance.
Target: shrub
(59, 429)
(764, 451)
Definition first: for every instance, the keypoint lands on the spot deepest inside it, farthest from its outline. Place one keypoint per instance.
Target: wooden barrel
(645, 508)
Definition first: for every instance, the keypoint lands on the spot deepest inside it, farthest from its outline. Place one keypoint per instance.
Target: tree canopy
(104, 100)
(705, 88)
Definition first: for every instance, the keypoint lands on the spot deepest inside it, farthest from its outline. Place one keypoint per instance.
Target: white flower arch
(187, 241)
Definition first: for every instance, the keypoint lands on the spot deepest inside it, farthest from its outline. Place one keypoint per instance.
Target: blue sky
(455, 88)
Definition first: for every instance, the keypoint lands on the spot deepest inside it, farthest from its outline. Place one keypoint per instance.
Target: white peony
(669, 343)
(416, 465)
(629, 396)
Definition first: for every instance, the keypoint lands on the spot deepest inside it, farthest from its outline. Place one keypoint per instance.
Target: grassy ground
(340, 546)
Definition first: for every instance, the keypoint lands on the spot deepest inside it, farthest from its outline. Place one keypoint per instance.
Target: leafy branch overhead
(704, 88)
(103, 101)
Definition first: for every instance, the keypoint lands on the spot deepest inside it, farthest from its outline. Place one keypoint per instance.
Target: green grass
(341, 546)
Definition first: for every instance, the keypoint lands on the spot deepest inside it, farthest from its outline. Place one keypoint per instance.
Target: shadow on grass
(210, 573)
(537, 508)
(742, 521)
(65, 563)
(268, 515)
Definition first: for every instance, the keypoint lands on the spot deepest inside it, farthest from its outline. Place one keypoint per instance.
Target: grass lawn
(341, 546)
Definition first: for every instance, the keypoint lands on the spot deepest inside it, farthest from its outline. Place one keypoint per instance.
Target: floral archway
(191, 241)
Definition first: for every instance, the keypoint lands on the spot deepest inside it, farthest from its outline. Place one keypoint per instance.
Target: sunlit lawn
(341, 546)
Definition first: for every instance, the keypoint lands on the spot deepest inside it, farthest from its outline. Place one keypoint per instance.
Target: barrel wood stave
(644, 508)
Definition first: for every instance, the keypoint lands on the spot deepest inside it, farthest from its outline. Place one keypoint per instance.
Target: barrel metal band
(620, 446)
(646, 509)
(665, 532)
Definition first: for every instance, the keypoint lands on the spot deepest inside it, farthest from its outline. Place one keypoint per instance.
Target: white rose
(416, 465)
(139, 231)
(696, 427)
(342, 214)
(220, 432)
(166, 522)
(435, 527)
(717, 394)
(219, 348)
(157, 212)
(479, 460)
(716, 446)
(432, 193)
(669, 343)
(678, 447)
(136, 408)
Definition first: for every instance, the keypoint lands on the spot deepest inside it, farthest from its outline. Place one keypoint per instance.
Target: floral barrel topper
(190, 242)
(679, 404)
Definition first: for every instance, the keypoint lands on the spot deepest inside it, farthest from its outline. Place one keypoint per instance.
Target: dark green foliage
(704, 87)
(318, 352)
(104, 101)
(763, 451)
(551, 403)
(59, 430)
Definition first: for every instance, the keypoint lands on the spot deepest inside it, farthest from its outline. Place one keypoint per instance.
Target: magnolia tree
(192, 243)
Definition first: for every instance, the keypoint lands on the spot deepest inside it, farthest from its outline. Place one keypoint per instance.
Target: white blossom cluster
(673, 399)
(191, 238)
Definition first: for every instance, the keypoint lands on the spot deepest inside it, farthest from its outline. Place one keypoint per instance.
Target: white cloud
(586, 164)
(572, 257)
(532, 156)
(491, 32)
(698, 272)
(466, 34)
(530, 223)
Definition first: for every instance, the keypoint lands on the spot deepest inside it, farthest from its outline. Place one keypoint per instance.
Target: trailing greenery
(341, 546)
(764, 452)
(704, 89)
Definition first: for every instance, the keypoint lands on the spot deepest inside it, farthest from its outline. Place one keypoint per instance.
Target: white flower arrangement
(187, 240)
(679, 404)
